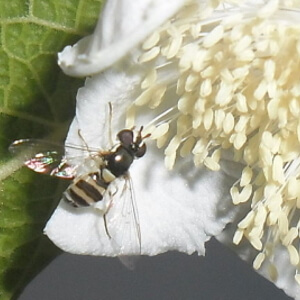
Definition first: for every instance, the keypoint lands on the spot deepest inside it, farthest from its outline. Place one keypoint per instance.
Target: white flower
(182, 215)
(209, 81)
(121, 27)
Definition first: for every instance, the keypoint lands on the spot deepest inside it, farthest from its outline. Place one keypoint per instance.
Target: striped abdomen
(88, 189)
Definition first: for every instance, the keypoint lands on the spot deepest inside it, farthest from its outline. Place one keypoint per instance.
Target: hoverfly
(94, 178)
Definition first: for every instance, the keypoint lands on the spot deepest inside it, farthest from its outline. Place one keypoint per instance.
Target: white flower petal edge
(177, 210)
(279, 271)
(122, 25)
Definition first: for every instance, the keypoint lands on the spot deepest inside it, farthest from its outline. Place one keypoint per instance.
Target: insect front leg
(110, 114)
(83, 140)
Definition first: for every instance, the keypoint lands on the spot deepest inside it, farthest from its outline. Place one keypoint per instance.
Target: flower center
(229, 79)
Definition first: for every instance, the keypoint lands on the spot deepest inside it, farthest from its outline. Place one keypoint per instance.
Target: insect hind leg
(111, 195)
(106, 227)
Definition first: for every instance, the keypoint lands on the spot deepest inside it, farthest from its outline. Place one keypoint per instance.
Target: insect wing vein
(122, 217)
(48, 157)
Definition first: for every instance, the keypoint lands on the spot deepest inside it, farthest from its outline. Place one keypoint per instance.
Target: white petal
(175, 213)
(122, 25)
(280, 271)
(92, 117)
(178, 210)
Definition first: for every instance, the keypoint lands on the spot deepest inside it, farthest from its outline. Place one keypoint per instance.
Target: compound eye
(126, 137)
(141, 151)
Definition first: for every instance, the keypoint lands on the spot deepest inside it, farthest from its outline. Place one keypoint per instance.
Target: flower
(216, 84)
(165, 222)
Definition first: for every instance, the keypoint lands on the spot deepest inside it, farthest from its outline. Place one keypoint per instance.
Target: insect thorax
(119, 162)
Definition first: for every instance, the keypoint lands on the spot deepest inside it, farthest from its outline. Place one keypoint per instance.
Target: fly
(95, 176)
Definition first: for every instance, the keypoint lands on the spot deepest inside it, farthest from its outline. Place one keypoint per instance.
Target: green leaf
(36, 100)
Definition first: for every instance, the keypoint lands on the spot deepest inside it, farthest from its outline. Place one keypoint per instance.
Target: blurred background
(220, 275)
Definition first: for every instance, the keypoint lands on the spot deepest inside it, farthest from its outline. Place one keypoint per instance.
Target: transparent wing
(122, 220)
(129, 262)
(48, 158)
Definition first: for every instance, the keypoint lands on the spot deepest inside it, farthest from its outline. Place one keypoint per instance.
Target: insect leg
(110, 114)
(105, 226)
(106, 212)
(83, 140)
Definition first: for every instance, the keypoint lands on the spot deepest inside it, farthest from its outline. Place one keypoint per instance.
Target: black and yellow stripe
(88, 189)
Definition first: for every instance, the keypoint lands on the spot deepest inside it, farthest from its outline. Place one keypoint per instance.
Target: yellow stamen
(235, 85)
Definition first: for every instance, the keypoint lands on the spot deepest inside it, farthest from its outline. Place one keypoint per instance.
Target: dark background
(220, 275)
